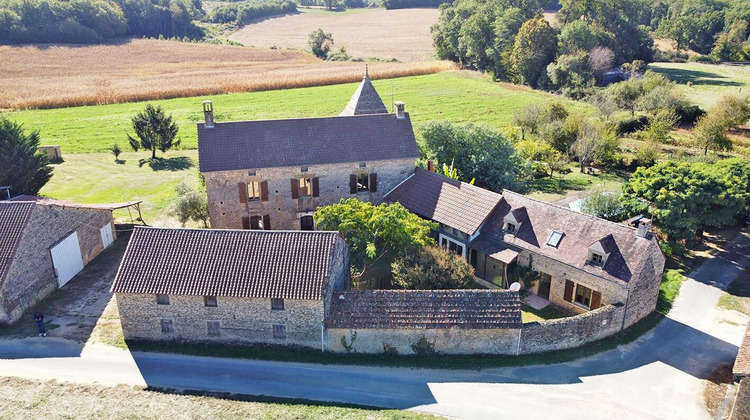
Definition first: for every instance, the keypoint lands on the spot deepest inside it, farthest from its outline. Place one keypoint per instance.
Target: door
(307, 223)
(106, 232)
(66, 258)
(545, 283)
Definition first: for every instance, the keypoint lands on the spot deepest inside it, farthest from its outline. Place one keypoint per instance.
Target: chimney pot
(400, 114)
(208, 113)
(644, 227)
(430, 166)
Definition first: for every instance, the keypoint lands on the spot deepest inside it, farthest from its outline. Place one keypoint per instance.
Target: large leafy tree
(712, 129)
(21, 166)
(534, 48)
(477, 151)
(376, 234)
(320, 43)
(154, 130)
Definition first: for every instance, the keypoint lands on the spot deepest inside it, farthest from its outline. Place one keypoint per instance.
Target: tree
(190, 204)
(21, 167)
(320, 43)
(603, 204)
(601, 59)
(534, 48)
(479, 152)
(529, 119)
(584, 148)
(374, 233)
(431, 268)
(571, 75)
(582, 36)
(154, 130)
(542, 158)
(712, 129)
(116, 151)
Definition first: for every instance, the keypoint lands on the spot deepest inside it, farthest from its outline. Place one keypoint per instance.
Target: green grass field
(706, 83)
(458, 96)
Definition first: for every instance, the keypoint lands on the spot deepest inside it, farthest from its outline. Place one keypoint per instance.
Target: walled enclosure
(31, 276)
(243, 320)
(226, 210)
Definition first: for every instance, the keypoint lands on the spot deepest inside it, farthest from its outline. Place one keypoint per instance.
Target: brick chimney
(208, 112)
(643, 227)
(431, 165)
(400, 114)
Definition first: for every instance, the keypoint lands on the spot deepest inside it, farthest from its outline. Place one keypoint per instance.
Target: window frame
(363, 187)
(279, 331)
(302, 225)
(210, 301)
(253, 191)
(583, 295)
(167, 326)
(162, 299)
(277, 304)
(510, 228)
(258, 222)
(446, 242)
(597, 259)
(305, 186)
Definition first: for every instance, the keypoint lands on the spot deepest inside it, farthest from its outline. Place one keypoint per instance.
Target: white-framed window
(253, 191)
(453, 246)
(597, 259)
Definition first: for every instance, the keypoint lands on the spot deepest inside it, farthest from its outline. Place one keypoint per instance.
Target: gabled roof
(13, 218)
(63, 203)
(365, 100)
(229, 263)
(629, 255)
(444, 200)
(305, 141)
(425, 309)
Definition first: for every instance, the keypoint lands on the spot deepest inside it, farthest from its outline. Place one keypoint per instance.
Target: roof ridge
(304, 232)
(298, 118)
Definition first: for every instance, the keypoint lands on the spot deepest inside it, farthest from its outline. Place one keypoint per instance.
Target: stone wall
(226, 211)
(644, 292)
(340, 273)
(565, 333)
(31, 276)
(446, 341)
(244, 320)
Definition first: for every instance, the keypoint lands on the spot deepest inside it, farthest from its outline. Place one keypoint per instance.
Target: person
(39, 319)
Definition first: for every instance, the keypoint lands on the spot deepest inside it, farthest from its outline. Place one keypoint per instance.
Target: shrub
(631, 125)
(389, 350)
(431, 268)
(422, 347)
(689, 114)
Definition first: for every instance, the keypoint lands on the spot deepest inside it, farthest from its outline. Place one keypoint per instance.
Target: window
(554, 239)
(166, 326)
(250, 173)
(363, 183)
(305, 189)
(210, 301)
(362, 165)
(279, 331)
(162, 299)
(213, 328)
(253, 191)
(307, 223)
(452, 246)
(277, 304)
(583, 295)
(510, 228)
(303, 169)
(597, 258)
(256, 223)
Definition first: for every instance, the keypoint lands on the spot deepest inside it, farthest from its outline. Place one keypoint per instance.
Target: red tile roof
(425, 309)
(231, 263)
(444, 200)
(13, 218)
(742, 364)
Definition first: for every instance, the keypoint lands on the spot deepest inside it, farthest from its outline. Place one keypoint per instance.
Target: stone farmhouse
(43, 244)
(583, 262)
(274, 174)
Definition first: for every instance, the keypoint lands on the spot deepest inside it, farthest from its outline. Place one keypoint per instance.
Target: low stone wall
(565, 333)
(445, 341)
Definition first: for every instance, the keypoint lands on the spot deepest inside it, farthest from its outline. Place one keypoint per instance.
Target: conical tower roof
(365, 100)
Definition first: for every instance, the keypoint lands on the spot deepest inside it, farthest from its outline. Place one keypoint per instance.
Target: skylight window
(554, 239)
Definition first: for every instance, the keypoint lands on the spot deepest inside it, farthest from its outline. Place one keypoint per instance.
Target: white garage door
(66, 258)
(107, 235)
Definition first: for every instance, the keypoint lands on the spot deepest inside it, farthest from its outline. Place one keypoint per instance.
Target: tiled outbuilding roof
(230, 263)
(425, 309)
(305, 141)
(742, 363)
(629, 254)
(444, 200)
(13, 218)
(365, 100)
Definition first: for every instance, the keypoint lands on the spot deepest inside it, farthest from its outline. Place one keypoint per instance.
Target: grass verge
(669, 289)
(737, 296)
(529, 314)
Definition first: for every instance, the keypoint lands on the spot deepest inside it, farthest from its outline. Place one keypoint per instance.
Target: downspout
(518, 347)
(322, 337)
(625, 312)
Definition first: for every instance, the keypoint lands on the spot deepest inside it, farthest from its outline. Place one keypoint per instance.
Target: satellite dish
(515, 287)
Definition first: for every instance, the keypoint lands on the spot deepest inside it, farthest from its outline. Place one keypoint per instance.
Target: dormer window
(597, 259)
(513, 220)
(600, 251)
(510, 228)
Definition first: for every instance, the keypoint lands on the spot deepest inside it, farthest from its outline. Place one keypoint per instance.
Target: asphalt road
(659, 376)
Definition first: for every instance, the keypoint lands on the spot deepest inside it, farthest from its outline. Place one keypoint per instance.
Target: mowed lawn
(457, 96)
(706, 83)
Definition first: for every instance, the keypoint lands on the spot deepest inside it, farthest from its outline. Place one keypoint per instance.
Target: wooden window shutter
(264, 191)
(266, 222)
(568, 296)
(242, 189)
(295, 188)
(352, 184)
(373, 182)
(245, 222)
(596, 300)
(315, 187)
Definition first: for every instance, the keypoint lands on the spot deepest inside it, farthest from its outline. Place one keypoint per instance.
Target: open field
(706, 83)
(403, 34)
(51, 76)
(31, 399)
(458, 96)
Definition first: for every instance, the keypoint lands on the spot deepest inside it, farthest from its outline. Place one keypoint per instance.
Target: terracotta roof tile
(425, 309)
(742, 364)
(444, 200)
(13, 218)
(232, 263)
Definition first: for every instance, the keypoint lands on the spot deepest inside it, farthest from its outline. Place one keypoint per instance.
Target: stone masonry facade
(31, 276)
(240, 320)
(227, 209)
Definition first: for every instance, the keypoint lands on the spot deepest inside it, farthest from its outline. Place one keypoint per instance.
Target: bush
(431, 268)
(631, 125)
(689, 114)
(423, 347)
